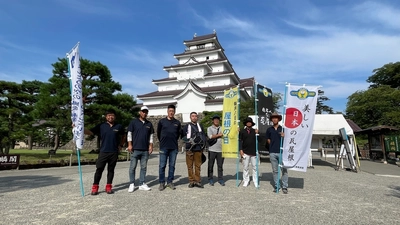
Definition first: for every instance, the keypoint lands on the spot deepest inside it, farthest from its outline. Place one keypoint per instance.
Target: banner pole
(281, 145)
(238, 141)
(257, 135)
(80, 172)
(77, 149)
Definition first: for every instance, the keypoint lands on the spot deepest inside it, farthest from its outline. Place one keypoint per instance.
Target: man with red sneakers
(112, 139)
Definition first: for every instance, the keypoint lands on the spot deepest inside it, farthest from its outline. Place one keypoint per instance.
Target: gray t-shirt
(213, 130)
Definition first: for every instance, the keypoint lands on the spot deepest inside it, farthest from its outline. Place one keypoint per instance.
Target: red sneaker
(95, 189)
(109, 189)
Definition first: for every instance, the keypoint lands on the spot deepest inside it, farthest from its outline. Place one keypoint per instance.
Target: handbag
(212, 141)
(203, 158)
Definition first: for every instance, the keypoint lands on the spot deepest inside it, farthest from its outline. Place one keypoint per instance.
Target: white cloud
(385, 15)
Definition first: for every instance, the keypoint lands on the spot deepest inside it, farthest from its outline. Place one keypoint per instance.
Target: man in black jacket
(247, 146)
(193, 135)
(168, 133)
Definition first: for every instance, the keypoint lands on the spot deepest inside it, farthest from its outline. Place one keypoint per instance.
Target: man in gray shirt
(215, 151)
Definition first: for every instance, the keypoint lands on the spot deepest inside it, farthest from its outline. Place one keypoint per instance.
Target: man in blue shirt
(168, 133)
(140, 145)
(274, 136)
(112, 139)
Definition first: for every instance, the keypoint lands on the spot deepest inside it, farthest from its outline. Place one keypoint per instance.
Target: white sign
(301, 103)
(77, 112)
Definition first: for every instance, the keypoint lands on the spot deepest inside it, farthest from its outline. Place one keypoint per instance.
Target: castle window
(201, 46)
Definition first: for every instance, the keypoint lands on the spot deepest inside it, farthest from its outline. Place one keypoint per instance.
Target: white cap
(144, 108)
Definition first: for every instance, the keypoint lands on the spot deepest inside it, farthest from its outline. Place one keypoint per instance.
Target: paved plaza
(320, 196)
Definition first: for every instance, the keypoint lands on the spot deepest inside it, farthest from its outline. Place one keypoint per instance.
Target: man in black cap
(215, 151)
(247, 146)
(274, 137)
(112, 139)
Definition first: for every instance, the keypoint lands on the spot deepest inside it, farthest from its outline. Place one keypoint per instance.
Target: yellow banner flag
(230, 117)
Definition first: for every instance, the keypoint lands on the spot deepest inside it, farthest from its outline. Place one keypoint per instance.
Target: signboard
(392, 143)
(9, 160)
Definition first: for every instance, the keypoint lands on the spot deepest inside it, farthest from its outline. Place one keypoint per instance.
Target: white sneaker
(245, 184)
(256, 184)
(131, 188)
(144, 187)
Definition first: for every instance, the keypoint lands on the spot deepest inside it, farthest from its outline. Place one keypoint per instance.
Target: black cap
(216, 117)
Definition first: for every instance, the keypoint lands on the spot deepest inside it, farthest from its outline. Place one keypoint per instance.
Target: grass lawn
(41, 156)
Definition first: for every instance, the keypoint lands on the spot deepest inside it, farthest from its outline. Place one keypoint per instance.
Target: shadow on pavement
(395, 191)
(320, 162)
(16, 183)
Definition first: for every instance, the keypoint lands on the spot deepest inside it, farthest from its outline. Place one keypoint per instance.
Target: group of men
(140, 144)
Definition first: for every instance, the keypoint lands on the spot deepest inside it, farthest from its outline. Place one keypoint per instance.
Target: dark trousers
(193, 158)
(212, 156)
(109, 158)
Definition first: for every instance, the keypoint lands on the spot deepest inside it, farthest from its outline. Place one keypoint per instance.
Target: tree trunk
(56, 141)
(30, 144)
(7, 149)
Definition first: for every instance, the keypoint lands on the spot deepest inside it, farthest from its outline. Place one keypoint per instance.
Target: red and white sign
(301, 103)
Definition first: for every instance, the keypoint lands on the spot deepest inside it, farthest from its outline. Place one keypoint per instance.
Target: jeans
(104, 158)
(212, 156)
(193, 158)
(247, 159)
(143, 156)
(274, 157)
(170, 155)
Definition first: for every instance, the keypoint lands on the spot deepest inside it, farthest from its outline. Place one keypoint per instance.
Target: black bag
(212, 141)
(203, 158)
(267, 145)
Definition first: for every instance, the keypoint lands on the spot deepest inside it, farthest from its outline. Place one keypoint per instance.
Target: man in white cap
(140, 145)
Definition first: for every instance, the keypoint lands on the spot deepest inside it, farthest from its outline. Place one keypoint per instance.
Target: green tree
(375, 106)
(15, 104)
(388, 74)
(207, 116)
(379, 104)
(31, 90)
(321, 107)
(100, 92)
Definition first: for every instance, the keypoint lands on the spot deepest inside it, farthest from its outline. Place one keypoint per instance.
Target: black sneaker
(211, 182)
(275, 190)
(191, 185)
(161, 187)
(199, 185)
(221, 182)
(284, 190)
(171, 185)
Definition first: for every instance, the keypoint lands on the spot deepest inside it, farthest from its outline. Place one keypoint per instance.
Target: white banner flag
(77, 113)
(301, 103)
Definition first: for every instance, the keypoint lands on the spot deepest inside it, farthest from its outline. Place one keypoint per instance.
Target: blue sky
(335, 44)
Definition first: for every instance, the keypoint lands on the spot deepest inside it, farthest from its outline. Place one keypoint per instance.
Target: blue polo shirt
(141, 131)
(168, 133)
(275, 137)
(110, 136)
